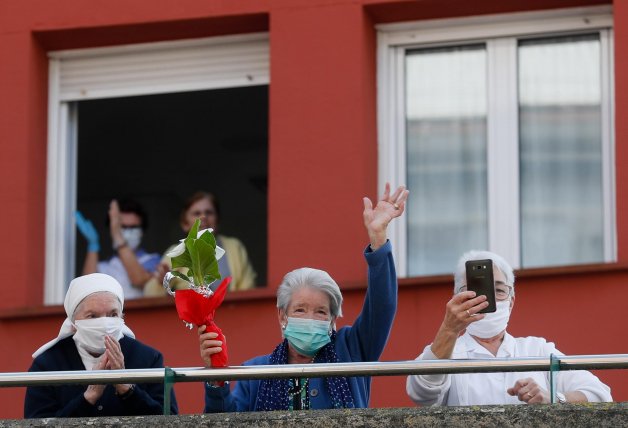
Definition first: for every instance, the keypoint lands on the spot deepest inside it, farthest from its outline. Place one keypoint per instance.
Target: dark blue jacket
(68, 401)
(364, 341)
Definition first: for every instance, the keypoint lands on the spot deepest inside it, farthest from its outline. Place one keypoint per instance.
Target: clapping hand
(87, 229)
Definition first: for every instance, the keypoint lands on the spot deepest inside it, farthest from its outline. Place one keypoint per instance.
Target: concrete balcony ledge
(585, 415)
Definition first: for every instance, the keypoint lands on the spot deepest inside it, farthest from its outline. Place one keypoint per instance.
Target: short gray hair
(313, 278)
(498, 261)
(80, 305)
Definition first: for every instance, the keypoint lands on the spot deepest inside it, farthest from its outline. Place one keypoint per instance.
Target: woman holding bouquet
(308, 302)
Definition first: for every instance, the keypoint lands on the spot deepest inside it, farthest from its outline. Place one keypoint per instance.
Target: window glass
(560, 151)
(446, 115)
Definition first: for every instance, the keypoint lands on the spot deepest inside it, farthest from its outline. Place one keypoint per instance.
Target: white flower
(219, 252)
(180, 249)
(200, 232)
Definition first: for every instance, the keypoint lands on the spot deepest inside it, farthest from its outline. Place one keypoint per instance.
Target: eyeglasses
(502, 291)
(205, 213)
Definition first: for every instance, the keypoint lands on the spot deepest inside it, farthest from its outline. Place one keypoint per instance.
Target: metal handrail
(389, 368)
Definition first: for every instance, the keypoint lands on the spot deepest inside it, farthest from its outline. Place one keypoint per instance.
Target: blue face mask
(307, 336)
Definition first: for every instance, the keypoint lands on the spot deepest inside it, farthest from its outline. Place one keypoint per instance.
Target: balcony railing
(169, 376)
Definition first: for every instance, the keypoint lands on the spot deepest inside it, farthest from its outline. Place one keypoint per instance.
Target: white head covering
(79, 289)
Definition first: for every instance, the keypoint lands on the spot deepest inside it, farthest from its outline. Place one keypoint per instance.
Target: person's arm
(137, 399)
(578, 386)
(220, 399)
(581, 386)
(246, 275)
(428, 390)
(48, 402)
(91, 263)
(87, 229)
(460, 311)
(136, 272)
(368, 335)
(433, 389)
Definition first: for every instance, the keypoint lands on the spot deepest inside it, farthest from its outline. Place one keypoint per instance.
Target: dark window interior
(159, 149)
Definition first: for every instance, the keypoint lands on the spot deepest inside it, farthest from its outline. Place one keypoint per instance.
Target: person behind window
(132, 267)
(309, 302)
(234, 263)
(486, 337)
(95, 337)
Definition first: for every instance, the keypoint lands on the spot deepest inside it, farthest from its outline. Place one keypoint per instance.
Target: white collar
(506, 349)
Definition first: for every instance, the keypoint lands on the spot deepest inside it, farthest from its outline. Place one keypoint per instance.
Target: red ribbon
(194, 308)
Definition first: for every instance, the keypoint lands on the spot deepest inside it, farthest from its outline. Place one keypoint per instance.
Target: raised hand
(462, 310)
(376, 219)
(115, 224)
(87, 229)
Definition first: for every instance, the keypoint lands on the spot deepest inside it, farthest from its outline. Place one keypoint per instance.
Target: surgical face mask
(132, 236)
(493, 323)
(307, 336)
(90, 333)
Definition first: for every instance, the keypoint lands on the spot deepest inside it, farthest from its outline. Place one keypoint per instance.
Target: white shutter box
(164, 67)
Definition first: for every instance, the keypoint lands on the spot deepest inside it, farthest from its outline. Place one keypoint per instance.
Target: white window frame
(498, 32)
(122, 71)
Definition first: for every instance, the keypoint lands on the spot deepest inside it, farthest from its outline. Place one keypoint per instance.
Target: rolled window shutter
(164, 67)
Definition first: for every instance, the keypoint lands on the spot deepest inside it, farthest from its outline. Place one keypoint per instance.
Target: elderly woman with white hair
(309, 301)
(486, 337)
(95, 337)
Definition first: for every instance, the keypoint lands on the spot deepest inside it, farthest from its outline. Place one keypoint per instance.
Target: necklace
(298, 394)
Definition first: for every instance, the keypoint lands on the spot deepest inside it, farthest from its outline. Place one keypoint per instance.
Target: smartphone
(480, 280)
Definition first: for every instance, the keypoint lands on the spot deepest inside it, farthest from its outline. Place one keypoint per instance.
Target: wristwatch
(560, 397)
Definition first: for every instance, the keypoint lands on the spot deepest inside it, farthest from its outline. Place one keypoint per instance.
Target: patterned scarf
(273, 393)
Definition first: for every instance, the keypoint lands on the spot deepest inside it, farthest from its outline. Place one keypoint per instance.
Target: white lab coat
(490, 388)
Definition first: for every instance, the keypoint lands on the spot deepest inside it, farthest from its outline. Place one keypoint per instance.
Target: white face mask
(493, 323)
(132, 236)
(90, 333)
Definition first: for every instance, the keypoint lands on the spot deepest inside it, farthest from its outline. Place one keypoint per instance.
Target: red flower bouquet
(195, 308)
(197, 258)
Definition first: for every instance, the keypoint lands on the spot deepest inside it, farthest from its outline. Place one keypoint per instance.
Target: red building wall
(323, 159)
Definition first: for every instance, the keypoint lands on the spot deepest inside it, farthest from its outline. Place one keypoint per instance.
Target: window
(85, 83)
(502, 129)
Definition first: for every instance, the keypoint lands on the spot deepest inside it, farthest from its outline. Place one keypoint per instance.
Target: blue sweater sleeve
(367, 337)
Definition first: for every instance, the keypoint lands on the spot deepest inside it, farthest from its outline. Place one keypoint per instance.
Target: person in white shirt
(486, 337)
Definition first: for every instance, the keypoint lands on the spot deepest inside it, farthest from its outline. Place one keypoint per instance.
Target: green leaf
(199, 257)
(194, 230)
(208, 237)
(203, 261)
(182, 260)
(209, 278)
(180, 275)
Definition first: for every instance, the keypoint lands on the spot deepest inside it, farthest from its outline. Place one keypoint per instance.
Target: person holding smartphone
(485, 336)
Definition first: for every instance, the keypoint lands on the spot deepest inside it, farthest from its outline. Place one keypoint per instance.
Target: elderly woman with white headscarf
(309, 301)
(94, 337)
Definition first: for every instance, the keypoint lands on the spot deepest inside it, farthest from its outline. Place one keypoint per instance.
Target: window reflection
(446, 110)
(560, 151)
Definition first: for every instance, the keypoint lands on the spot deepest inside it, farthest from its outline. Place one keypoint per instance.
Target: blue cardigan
(364, 341)
(67, 400)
